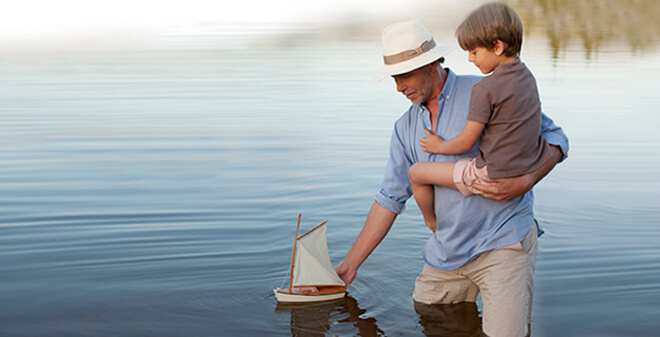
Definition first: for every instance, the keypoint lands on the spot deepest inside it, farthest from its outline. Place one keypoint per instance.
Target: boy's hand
(432, 142)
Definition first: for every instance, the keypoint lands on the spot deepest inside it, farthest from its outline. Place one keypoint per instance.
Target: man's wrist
(545, 169)
(351, 263)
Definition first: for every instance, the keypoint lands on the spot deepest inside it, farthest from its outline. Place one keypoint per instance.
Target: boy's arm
(459, 144)
(508, 188)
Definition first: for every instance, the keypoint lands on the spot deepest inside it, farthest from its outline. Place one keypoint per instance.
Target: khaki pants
(503, 275)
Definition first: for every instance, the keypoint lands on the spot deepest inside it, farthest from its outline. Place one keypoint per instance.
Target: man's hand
(504, 189)
(508, 188)
(432, 142)
(346, 272)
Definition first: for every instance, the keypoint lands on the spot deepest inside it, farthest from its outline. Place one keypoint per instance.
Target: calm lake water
(150, 186)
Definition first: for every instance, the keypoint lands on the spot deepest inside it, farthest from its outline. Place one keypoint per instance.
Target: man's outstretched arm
(378, 223)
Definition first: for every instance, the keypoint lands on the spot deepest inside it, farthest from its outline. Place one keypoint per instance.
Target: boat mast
(313, 229)
(293, 256)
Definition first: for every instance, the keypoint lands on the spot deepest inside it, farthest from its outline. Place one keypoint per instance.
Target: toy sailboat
(312, 276)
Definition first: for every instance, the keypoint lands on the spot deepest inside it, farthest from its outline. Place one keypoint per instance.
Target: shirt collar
(450, 83)
(517, 64)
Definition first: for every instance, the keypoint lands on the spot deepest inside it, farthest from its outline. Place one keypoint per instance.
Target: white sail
(312, 264)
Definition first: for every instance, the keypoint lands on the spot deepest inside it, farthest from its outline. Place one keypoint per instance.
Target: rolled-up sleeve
(396, 190)
(554, 135)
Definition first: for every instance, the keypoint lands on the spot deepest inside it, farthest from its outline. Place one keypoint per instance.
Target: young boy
(504, 114)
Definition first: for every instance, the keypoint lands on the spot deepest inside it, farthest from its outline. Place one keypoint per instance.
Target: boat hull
(286, 297)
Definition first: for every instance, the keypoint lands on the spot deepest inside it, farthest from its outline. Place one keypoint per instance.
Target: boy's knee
(413, 173)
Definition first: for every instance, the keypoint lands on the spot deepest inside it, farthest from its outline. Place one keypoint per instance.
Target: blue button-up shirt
(466, 226)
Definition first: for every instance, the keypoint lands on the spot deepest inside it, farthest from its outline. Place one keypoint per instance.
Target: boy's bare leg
(422, 176)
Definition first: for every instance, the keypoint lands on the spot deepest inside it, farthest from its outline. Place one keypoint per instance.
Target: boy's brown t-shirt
(508, 103)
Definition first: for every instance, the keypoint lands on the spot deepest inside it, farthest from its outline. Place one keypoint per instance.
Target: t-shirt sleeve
(481, 105)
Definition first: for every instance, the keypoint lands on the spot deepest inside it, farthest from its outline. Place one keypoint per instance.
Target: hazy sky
(46, 18)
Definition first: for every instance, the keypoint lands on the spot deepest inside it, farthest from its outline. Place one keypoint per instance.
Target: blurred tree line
(593, 24)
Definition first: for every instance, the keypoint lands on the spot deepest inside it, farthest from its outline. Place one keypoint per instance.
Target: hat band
(409, 54)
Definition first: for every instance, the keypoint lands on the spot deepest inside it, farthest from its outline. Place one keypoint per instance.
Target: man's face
(417, 84)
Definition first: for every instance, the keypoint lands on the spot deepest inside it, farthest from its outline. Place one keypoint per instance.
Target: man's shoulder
(467, 80)
(461, 86)
(463, 79)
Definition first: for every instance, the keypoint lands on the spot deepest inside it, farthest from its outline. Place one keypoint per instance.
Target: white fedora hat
(407, 46)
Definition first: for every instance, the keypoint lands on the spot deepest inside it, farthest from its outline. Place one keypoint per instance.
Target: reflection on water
(594, 24)
(342, 317)
(150, 190)
(449, 320)
(591, 26)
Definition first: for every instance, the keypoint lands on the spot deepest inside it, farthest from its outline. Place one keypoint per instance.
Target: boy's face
(484, 59)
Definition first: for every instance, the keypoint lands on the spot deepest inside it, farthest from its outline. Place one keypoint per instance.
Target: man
(482, 243)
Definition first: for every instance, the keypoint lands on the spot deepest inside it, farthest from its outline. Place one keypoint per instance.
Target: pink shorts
(465, 173)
